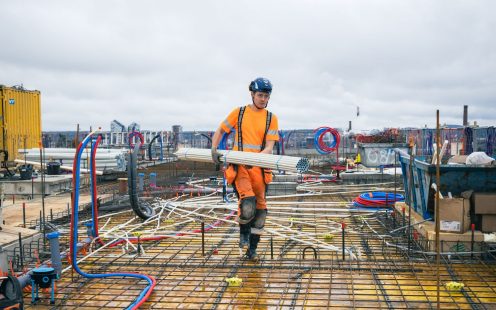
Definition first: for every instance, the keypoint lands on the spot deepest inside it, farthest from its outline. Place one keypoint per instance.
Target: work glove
(216, 156)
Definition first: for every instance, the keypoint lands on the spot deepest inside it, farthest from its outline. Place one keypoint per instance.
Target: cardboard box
(454, 215)
(458, 159)
(453, 242)
(484, 203)
(488, 223)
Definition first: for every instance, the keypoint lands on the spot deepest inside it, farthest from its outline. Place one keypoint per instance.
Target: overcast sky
(161, 63)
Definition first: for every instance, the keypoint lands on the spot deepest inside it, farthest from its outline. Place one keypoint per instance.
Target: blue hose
(76, 175)
(223, 142)
(93, 202)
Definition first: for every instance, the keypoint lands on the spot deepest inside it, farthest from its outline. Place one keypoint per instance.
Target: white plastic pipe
(276, 162)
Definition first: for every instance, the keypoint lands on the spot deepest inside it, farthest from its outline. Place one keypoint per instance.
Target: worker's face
(260, 99)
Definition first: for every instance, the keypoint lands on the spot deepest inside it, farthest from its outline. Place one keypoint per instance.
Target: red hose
(145, 297)
(195, 231)
(140, 136)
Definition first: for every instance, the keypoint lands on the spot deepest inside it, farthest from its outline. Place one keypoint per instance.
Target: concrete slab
(52, 184)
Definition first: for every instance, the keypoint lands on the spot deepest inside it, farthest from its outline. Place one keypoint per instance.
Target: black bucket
(43, 276)
(26, 172)
(53, 168)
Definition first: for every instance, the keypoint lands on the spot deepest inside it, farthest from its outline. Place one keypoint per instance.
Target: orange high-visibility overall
(250, 181)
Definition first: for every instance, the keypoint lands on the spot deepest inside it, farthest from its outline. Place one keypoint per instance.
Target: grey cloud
(163, 63)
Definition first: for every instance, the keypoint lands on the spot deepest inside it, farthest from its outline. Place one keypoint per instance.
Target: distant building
(177, 137)
(116, 126)
(133, 127)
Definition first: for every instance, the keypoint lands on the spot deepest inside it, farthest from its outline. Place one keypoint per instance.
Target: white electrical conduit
(277, 162)
(105, 245)
(295, 221)
(313, 224)
(276, 208)
(315, 242)
(193, 203)
(276, 232)
(362, 185)
(179, 209)
(315, 194)
(331, 229)
(322, 246)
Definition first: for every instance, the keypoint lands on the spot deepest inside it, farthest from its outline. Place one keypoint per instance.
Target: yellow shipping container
(20, 120)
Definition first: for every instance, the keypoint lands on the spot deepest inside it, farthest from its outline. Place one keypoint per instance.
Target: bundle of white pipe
(106, 159)
(276, 162)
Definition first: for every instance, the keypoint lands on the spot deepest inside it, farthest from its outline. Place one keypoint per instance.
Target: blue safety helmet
(261, 84)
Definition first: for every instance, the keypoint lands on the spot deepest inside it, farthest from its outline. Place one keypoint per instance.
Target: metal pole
(438, 183)
(271, 247)
(395, 184)
(203, 237)
(24, 214)
(42, 191)
(412, 158)
(25, 164)
(21, 252)
(472, 226)
(343, 225)
(42, 150)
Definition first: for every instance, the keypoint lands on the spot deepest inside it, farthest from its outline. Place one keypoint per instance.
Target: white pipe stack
(276, 162)
(106, 159)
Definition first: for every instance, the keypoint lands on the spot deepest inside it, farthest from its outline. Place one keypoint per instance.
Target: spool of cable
(320, 145)
(377, 200)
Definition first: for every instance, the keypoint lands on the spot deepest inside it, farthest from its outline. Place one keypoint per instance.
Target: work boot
(244, 238)
(251, 254)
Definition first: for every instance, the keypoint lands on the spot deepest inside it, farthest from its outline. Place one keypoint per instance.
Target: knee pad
(247, 209)
(258, 223)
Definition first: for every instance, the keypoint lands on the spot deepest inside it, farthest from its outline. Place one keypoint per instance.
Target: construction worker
(256, 130)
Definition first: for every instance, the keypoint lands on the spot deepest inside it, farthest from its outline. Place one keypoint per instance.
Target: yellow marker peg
(137, 233)
(328, 237)
(454, 286)
(169, 221)
(234, 281)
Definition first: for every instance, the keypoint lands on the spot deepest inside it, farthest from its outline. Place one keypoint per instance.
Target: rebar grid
(383, 275)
